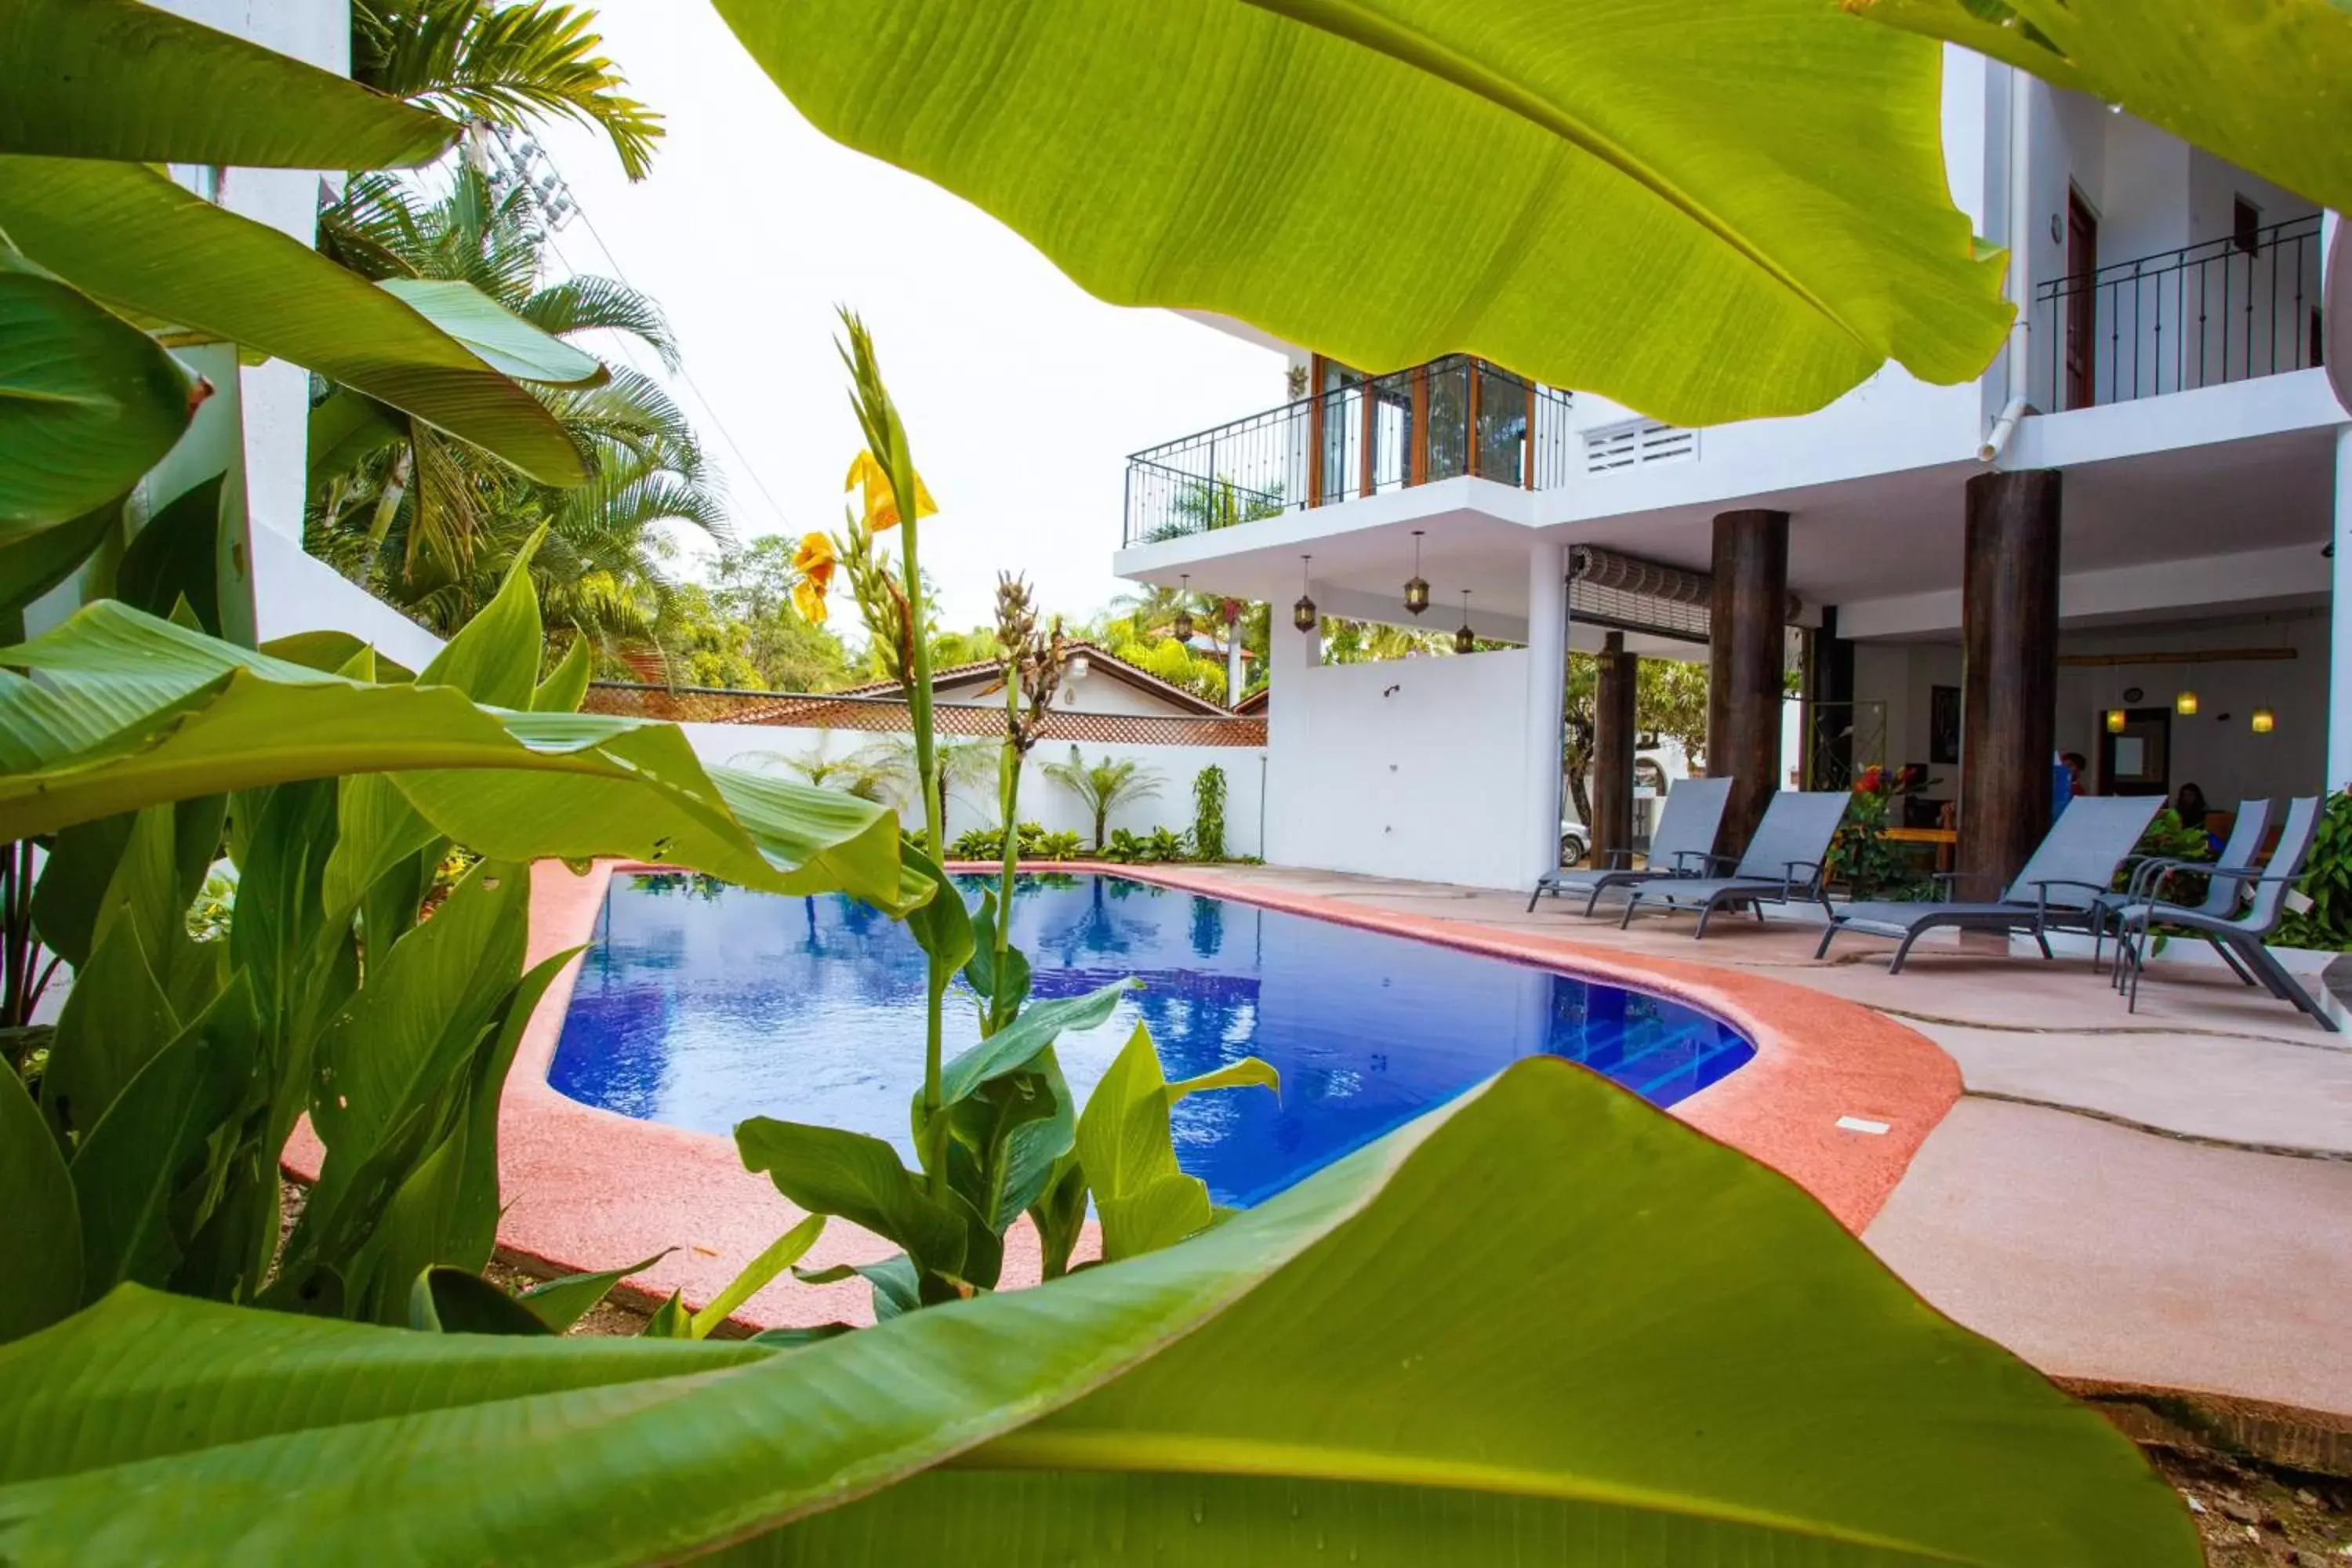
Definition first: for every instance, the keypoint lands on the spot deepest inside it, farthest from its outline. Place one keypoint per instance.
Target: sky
(1023, 394)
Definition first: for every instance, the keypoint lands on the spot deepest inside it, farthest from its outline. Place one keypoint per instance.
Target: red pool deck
(591, 1189)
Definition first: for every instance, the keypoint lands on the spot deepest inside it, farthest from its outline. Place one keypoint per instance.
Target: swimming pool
(700, 1005)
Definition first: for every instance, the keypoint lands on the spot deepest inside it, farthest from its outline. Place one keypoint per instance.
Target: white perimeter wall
(1410, 768)
(762, 747)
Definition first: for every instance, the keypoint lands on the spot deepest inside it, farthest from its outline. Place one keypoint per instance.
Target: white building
(2165, 369)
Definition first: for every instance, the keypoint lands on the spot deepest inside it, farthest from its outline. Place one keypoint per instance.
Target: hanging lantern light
(2264, 722)
(1183, 626)
(2115, 720)
(2185, 704)
(1417, 588)
(1302, 614)
(1465, 640)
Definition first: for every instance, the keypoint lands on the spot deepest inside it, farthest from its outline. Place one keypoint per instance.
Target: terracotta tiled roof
(1107, 662)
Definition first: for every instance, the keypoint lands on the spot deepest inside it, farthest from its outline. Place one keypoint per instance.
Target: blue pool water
(701, 1005)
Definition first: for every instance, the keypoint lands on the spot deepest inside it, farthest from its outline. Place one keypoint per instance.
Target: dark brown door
(2081, 301)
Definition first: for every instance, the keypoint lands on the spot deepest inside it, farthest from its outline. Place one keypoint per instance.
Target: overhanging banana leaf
(132, 710)
(133, 238)
(88, 403)
(1546, 1323)
(2266, 84)
(503, 341)
(1708, 210)
(116, 78)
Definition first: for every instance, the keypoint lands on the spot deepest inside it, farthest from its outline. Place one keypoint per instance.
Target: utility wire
(784, 523)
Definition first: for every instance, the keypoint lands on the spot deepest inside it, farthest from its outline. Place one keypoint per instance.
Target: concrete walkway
(2161, 1198)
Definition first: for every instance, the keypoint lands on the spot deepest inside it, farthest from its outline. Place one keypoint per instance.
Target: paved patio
(2158, 1199)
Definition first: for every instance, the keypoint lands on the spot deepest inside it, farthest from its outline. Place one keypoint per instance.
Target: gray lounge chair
(2239, 935)
(1682, 847)
(1783, 863)
(2059, 888)
(2222, 894)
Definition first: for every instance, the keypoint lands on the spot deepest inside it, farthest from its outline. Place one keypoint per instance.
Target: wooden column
(1613, 738)
(1748, 648)
(2009, 678)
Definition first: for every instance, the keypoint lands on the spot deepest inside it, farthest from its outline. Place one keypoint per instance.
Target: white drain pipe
(2020, 204)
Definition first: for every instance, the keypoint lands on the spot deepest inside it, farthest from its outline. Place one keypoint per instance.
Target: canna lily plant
(997, 1132)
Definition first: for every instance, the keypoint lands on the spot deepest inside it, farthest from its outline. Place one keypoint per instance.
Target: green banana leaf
(1145, 1201)
(41, 1247)
(117, 78)
(134, 712)
(503, 341)
(2266, 84)
(88, 403)
(1545, 1323)
(133, 239)
(558, 1303)
(1707, 209)
(31, 564)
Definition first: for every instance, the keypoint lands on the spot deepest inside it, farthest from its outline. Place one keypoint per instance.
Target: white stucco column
(2339, 646)
(1289, 734)
(1547, 700)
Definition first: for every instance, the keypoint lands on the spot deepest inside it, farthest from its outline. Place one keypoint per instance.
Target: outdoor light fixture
(1465, 640)
(1416, 589)
(1183, 626)
(1302, 614)
(2264, 722)
(2185, 704)
(2115, 720)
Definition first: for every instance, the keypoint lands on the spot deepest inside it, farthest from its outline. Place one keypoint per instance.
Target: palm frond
(509, 65)
(582, 303)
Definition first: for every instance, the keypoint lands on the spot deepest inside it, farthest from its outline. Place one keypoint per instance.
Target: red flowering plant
(1861, 856)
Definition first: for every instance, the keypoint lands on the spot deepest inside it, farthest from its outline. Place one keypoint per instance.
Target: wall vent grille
(1637, 444)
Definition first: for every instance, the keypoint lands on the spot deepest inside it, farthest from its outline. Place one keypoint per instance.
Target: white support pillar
(2339, 648)
(1289, 732)
(1547, 704)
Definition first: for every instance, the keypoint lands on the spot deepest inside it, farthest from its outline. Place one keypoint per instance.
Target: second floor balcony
(2226, 309)
(1359, 435)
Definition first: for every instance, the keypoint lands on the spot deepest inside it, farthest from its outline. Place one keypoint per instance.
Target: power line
(686, 375)
(573, 206)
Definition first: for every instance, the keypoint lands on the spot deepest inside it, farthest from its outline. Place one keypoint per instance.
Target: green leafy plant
(1356, 1362)
(1861, 856)
(2175, 63)
(1802, 250)
(1209, 813)
(996, 1131)
(2324, 922)
(1103, 787)
(1061, 845)
(354, 983)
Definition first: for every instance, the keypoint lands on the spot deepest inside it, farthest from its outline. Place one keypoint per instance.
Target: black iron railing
(1443, 420)
(2226, 309)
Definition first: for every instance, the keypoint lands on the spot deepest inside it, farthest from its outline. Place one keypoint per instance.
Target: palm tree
(861, 773)
(429, 524)
(501, 64)
(966, 765)
(1103, 786)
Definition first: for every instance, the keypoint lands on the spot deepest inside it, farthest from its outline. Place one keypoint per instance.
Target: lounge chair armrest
(2146, 868)
(1707, 861)
(1616, 859)
(1790, 881)
(1951, 880)
(2041, 892)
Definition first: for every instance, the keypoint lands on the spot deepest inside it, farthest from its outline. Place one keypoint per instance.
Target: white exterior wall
(763, 746)
(1412, 768)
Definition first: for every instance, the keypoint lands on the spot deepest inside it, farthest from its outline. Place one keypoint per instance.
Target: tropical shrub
(2322, 917)
(1861, 856)
(1103, 787)
(1209, 813)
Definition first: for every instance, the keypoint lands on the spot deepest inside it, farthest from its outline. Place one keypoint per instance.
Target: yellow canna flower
(814, 560)
(869, 475)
